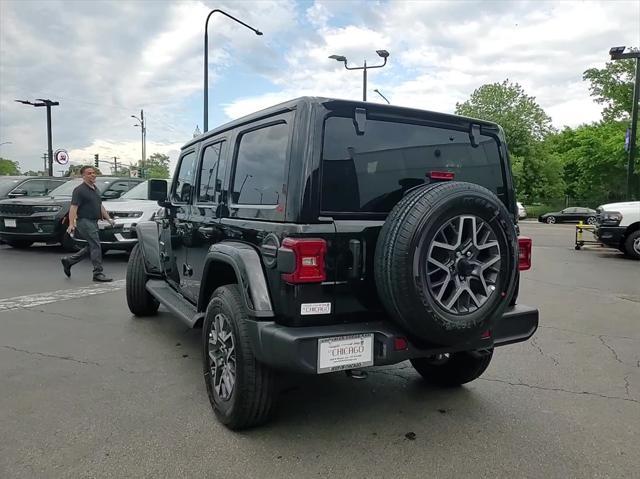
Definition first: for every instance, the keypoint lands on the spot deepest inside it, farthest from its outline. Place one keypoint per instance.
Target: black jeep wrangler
(323, 235)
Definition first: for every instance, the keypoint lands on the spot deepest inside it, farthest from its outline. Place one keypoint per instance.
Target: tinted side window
(260, 166)
(183, 189)
(211, 174)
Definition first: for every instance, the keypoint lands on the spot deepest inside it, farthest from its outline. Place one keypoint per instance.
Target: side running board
(174, 302)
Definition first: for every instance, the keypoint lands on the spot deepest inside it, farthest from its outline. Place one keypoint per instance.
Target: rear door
(365, 174)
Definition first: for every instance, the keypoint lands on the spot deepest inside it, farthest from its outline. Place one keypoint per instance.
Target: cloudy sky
(106, 60)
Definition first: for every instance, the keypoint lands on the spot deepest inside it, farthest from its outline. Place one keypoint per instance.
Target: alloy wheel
(463, 264)
(222, 357)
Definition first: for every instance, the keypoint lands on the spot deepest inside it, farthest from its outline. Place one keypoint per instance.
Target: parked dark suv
(24, 221)
(324, 235)
(27, 186)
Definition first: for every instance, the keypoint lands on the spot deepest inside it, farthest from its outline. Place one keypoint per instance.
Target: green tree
(523, 120)
(74, 170)
(123, 171)
(612, 86)
(8, 167)
(593, 159)
(157, 166)
(525, 125)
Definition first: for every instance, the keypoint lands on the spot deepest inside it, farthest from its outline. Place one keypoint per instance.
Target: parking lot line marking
(38, 299)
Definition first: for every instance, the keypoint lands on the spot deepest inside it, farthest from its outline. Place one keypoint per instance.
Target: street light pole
(206, 60)
(617, 53)
(385, 98)
(143, 138)
(381, 53)
(48, 104)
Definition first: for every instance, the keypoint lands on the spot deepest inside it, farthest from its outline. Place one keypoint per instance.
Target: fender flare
(147, 232)
(247, 266)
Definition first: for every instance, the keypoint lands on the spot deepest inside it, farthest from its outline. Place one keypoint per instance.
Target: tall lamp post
(48, 104)
(143, 134)
(206, 60)
(617, 53)
(381, 53)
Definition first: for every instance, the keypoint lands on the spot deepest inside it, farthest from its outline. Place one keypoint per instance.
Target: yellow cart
(580, 229)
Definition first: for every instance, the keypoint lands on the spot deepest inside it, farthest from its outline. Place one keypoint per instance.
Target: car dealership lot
(88, 391)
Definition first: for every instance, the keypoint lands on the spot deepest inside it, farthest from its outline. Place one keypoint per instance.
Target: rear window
(371, 172)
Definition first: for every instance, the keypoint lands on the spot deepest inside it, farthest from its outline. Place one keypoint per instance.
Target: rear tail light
(442, 175)
(400, 343)
(524, 253)
(309, 260)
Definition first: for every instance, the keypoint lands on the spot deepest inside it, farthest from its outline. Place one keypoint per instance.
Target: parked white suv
(522, 212)
(619, 227)
(127, 211)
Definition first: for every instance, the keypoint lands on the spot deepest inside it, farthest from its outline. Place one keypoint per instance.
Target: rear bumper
(611, 235)
(296, 349)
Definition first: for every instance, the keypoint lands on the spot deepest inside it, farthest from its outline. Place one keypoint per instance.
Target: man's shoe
(66, 266)
(101, 278)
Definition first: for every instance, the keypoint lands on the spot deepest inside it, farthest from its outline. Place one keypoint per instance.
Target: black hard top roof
(332, 103)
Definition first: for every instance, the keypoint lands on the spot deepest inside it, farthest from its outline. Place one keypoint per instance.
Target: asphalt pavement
(87, 390)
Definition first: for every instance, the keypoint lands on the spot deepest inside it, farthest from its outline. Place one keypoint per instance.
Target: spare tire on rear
(446, 262)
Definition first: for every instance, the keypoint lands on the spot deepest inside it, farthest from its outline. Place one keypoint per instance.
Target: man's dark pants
(88, 230)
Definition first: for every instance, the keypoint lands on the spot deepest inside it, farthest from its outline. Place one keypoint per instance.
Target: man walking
(86, 209)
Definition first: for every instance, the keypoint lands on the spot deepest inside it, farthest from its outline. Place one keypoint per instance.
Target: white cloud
(106, 60)
(441, 52)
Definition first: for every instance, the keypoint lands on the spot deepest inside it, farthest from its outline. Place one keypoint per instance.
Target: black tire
(68, 243)
(400, 261)
(457, 369)
(251, 401)
(550, 220)
(139, 300)
(19, 244)
(632, 245)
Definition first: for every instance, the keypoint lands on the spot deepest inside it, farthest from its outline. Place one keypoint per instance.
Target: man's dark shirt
(88, 201)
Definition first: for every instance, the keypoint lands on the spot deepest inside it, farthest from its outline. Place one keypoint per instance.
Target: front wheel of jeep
(241, 390)
(453, 369)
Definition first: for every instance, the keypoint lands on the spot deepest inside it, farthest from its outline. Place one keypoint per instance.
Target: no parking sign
(61, 157)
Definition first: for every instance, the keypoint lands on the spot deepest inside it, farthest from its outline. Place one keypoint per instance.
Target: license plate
(9, 223)
(345, 352)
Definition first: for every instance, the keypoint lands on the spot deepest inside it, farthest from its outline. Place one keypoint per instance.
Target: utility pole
(617, 53)
(44, 157)
(48, 104)
(115, 165)
(143, 135)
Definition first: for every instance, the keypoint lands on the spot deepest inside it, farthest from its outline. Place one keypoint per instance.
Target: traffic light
(95, 161)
